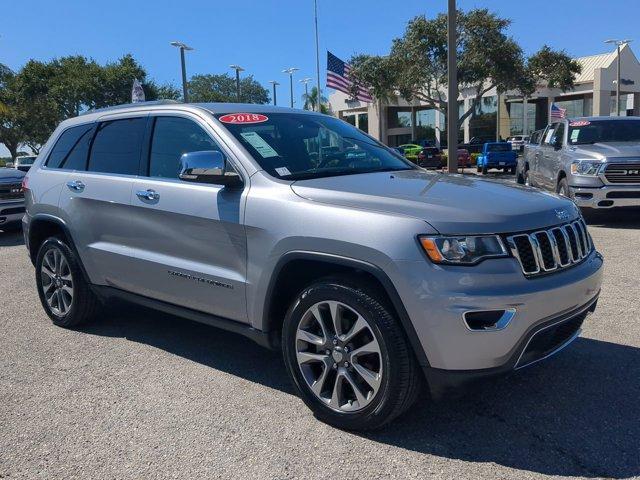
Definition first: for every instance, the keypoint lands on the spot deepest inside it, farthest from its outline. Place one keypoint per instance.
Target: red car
(464, 158)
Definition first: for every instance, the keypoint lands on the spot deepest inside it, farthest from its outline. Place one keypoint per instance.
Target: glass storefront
(579, 107)
(516, 118)
(483, 123)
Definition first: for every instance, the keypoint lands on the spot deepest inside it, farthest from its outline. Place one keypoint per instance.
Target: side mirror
(207, 166)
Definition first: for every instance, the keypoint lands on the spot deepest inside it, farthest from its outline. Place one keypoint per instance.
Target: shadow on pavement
(576, 414)
(11, 238)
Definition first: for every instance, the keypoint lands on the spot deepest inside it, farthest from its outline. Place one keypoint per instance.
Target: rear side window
(72, 148)
(173, 136)
(116, 146)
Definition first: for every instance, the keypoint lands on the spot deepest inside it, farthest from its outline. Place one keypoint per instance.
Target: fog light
(488, 320)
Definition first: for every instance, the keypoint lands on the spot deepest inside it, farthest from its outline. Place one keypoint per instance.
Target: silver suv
(595, 161)
(307, 235)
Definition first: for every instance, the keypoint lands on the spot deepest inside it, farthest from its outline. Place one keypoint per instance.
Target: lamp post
(238, 69)
(290, 71)
(183, 47)
(306, 90)
(618, 44)
(275, 84)
(452, 91)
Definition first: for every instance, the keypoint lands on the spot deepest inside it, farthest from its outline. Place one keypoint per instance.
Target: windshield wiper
(338, 172)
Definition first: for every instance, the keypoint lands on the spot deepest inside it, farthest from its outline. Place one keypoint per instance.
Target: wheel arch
(297, 269)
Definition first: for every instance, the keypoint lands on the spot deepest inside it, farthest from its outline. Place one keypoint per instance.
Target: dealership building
(397, 121)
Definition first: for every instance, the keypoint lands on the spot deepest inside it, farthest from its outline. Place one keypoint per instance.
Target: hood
(452, 204)
(599, 151)
(11, 175)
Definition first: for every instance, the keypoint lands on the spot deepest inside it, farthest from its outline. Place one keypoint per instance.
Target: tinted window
(558, 135)
(71, 149)
(499, 147)
(116, 147)
(173, 136)
(586, 132)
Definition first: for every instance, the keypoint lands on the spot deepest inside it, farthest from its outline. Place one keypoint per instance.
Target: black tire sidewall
(69, 319)
(362, 304)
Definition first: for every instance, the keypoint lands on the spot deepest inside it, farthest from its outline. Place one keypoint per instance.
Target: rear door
(189, 239)
(96, 199)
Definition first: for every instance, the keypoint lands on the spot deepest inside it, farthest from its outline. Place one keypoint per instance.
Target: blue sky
(265, 36)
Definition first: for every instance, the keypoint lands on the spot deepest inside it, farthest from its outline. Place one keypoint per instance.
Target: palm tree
(311, 101)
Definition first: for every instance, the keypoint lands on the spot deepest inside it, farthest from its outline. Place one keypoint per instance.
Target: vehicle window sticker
(549, 135)
(574, 134)
(283, 171)
(260, 145)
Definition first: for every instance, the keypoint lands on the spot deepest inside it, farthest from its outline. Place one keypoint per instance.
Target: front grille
(552, 249)
(623, 173)
(11, 191)
(550, 339)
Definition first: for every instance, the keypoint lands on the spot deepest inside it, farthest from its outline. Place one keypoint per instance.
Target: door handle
(148, 194)
(76, 185)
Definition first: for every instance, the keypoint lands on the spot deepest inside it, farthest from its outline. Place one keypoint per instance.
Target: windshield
(583, 132)
(499, 147)
(299, 146)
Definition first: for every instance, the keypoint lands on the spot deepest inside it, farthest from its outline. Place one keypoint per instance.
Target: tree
(311, 101)
(487, 57)
(222, 88)
(10, 129)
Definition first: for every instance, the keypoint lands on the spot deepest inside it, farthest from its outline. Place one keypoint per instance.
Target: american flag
(557, 112)
(338, 78)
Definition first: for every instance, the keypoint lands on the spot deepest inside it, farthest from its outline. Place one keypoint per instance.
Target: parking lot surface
(139, 394)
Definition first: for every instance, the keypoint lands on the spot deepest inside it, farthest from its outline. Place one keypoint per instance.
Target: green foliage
(487, 57)
(311, 101)
(222, 88)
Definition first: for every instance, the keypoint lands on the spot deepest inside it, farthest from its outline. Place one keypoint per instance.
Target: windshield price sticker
(581, 123)
(243, 118)
(260, 145)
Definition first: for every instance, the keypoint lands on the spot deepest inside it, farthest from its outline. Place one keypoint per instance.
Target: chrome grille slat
(625, 173)
(570, 242)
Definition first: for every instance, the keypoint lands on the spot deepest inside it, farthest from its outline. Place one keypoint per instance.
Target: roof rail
(128, 105)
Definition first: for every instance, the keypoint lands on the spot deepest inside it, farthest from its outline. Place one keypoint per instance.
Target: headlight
(585, 167)
(463, 250)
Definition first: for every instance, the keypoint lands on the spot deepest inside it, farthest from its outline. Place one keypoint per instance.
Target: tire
(512, 170)
(484, 169)
(478, 168)
(395, 377)
(563, 188)
(526, 178)
(72, 302)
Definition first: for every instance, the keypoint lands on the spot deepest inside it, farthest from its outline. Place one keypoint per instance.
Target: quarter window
(116, 147)
(72, 148)
(172, 137)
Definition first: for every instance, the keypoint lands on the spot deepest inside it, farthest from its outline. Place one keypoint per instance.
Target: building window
(483, 123)
(350, 119)
(363, 122)
(399, 118)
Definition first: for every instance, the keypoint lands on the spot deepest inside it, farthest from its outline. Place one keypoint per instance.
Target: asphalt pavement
(142, 395)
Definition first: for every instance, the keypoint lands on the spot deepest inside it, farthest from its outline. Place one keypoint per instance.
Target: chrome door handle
(148, 194)
(76, 185)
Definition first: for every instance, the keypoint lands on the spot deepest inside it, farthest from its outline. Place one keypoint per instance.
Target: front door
(189, 240)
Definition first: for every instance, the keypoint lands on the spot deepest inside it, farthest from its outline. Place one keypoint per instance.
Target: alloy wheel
(57, 281)
(339, 356)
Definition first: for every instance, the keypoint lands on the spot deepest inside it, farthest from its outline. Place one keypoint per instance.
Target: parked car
(11, 198)
(372, 275)
(527, 154)
(24, 163)
(518, 142)
(497, 155)
(411, 151)
(592, 160)
(475, 144)
(464, 158)
(430, 157)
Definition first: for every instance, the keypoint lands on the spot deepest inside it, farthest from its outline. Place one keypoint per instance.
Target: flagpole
(318, 100)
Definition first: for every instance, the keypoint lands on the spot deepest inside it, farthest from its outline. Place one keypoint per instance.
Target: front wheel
(484, 169)
(348, 357)
(563, 188)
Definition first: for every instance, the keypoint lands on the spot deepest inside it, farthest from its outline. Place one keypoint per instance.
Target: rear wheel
(63, 291)
(484, 169)
(513, 170)
(348, 357)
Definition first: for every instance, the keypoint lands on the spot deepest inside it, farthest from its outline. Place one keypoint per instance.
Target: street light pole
(306, 91)
(315, 6)
(452, 91)
(238, 69)
(290, 71)
(275, 84)
(618, 44)
(183, 47)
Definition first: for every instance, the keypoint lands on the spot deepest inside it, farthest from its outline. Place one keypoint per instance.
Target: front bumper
(608, 196)
(436, 299)
(11, 212)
